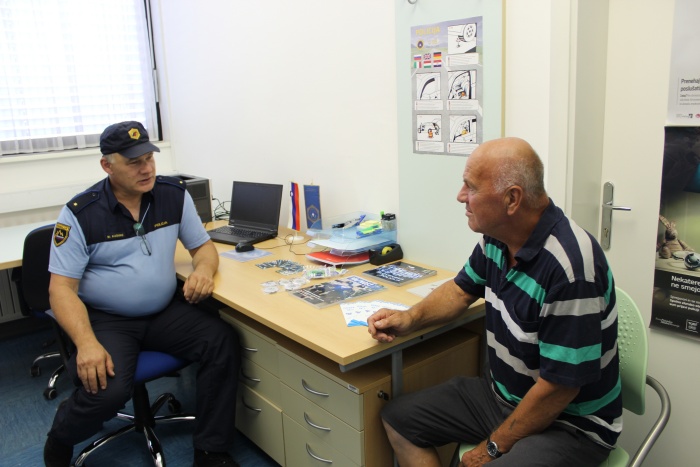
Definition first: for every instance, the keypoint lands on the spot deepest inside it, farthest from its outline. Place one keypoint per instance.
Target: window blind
(70, 68)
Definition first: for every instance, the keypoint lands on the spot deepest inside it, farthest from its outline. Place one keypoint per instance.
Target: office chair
(151, 365)
(32, 281)
(633, 349)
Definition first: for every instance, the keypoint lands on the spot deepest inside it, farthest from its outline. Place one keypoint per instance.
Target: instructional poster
(447, 85)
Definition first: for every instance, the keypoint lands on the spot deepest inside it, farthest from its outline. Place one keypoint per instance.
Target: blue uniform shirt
(95, 242)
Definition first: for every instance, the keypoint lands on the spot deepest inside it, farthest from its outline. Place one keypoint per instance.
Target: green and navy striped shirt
(552, 315)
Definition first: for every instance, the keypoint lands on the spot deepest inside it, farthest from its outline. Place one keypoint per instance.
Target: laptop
(254, 215)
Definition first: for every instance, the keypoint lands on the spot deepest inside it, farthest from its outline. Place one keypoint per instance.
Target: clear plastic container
(388, 222)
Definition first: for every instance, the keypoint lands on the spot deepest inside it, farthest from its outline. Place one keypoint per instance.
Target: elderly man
(113, 291)
(551, 396)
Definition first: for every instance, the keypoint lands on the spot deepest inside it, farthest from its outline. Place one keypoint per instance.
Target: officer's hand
(197, 287)
(94, 366)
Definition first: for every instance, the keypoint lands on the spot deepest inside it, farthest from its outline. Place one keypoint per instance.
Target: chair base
(142, 422)
(50, 392)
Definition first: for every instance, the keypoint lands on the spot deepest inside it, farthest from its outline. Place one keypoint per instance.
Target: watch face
(492, 449)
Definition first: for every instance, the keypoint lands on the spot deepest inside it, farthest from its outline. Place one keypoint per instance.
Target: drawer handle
(303, 384)
(249, 407)
(250, 349)
(309, 452)
(319, 427)
(244, 376)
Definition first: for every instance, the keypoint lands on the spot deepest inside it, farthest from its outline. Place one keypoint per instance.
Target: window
(69, 69)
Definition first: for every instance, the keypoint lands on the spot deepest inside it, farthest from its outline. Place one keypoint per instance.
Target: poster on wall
(447, 86)
(676, 298)
(684, 82)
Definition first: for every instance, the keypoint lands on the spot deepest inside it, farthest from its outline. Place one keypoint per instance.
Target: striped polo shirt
(552, 315)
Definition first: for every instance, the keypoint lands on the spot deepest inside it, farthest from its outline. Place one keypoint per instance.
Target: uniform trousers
(181, 330)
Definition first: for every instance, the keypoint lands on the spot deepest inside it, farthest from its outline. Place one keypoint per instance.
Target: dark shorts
(466, 410)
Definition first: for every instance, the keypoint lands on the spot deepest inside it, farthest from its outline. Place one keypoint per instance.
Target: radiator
(9, 300)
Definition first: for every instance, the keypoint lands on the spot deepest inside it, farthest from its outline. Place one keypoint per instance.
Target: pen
(350, 223)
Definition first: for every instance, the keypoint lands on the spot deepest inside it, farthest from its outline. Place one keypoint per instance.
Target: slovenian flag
(294, 219)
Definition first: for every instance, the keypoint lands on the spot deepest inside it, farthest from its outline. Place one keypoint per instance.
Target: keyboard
(238, 232)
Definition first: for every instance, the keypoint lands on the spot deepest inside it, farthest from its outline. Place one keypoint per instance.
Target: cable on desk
(221, 211)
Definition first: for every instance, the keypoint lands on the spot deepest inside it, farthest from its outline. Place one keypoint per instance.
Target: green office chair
(633, 348)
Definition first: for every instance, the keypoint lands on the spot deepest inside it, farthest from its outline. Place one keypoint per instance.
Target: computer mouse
(243, 247)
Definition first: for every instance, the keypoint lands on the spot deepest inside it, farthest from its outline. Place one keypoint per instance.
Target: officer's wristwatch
(492, 448)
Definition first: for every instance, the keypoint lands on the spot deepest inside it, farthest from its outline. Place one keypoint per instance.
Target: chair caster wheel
(35, 371)
(174, 406)
(50, 394)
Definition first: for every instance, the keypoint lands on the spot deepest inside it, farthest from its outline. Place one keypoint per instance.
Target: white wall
(266, 91)
(34, 188)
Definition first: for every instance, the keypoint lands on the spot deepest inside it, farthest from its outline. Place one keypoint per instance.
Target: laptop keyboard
(237, 231)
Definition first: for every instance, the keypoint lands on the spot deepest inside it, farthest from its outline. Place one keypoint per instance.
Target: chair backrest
(632, 347)
(34, 283)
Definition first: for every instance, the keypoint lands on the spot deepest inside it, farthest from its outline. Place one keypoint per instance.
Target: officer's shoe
(57, 454)
(213, 459)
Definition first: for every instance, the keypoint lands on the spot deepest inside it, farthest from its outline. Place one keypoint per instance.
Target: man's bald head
(512, 161)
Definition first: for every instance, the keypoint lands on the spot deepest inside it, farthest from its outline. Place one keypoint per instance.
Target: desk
(238, 285)
(12, 243)
(317, 332)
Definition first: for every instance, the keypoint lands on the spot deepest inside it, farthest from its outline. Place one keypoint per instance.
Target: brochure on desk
(400, 273)
(333, 292)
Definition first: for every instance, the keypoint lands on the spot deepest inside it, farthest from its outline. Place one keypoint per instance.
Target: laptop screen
(257, 203)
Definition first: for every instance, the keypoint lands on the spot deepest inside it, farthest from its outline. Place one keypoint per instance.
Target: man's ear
(106, 166)
(512, 198)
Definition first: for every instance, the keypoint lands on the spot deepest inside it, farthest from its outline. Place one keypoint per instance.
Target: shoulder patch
(60, 234)
(79, 202)
(174, 181)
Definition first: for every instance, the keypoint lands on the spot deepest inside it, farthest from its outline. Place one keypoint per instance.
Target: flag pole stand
(296, 238)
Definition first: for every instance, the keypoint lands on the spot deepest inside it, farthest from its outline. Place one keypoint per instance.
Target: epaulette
(174, 181)
(79, 202)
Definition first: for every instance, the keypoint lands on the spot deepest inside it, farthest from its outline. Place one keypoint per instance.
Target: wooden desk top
(238, 285)
(12, 243)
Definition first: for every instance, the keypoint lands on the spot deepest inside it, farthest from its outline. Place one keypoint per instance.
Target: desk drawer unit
(261, 422)
(323, 425)
(302, 410)
(258, 348)
(304, 449)
(321, 390)
(262, 381)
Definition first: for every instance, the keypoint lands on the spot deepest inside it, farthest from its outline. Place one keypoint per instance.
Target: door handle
(608, 208)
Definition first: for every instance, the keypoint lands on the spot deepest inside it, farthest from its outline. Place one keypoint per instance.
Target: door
(638, 60)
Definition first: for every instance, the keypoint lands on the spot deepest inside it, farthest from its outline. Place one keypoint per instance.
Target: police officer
(113, 291)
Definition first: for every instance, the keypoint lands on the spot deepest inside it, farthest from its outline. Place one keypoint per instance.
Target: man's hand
(476, 457)
(386, 324)
(198, 286)
(94, 365)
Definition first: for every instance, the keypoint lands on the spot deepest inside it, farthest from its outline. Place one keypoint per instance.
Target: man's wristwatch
(492, 448)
